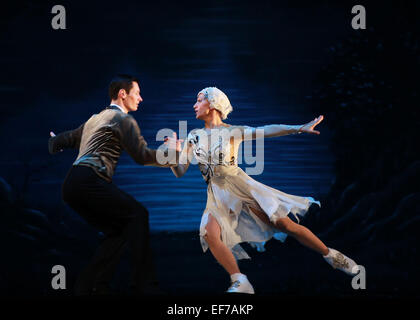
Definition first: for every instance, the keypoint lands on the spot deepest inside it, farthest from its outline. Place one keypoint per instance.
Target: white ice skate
(341, 262)
(240, 284)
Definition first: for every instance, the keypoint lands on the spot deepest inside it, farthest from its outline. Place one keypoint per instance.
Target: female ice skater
(240, 209)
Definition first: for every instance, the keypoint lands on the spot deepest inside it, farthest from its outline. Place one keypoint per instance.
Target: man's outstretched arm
(65, 140)
(136, 146)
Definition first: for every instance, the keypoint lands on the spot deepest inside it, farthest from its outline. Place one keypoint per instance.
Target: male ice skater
(89, 190)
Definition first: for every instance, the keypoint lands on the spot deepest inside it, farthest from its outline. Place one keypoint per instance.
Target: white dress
(231, 193)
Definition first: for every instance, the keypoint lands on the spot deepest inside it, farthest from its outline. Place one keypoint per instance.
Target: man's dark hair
(121, 81)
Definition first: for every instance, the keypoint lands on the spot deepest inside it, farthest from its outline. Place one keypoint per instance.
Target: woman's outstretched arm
(184, 157)
(184, 161)
(277, 130)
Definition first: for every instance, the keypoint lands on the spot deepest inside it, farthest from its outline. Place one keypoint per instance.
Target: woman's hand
(309, 127)
(173, 143)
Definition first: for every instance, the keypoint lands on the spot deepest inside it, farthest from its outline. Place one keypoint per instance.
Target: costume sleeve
(136, 146)
(269, 131)
(65, 140)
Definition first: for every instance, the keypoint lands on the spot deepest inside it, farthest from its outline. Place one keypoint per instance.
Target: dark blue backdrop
(279, 62)
(265, 62)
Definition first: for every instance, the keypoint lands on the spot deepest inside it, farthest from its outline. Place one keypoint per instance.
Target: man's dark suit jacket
(101, 140)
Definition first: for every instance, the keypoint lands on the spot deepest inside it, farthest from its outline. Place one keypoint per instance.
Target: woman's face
(201, 107)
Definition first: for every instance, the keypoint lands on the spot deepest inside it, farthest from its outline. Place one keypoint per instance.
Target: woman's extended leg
(301, 234)
(308, 239)
(240, 282)
(219, 250)
(297, 231)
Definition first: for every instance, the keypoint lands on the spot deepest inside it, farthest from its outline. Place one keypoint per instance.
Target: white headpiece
(218, 100)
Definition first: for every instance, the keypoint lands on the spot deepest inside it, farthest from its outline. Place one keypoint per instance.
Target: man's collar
(115, 107)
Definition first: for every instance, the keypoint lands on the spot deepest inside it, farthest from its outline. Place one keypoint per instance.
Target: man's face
(132, 99)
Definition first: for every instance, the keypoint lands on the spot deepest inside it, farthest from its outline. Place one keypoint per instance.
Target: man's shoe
(341, 262)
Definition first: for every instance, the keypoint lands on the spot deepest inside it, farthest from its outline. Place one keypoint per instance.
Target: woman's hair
(218, 100)
(121, 81)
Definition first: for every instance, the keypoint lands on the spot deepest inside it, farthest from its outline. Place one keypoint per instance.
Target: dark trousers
(122, 219)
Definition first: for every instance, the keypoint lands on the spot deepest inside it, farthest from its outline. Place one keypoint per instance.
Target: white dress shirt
(119, 107)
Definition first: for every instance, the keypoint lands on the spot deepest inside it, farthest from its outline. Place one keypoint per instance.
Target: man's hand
(52, 134)
(173, 143)
(309, 127)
